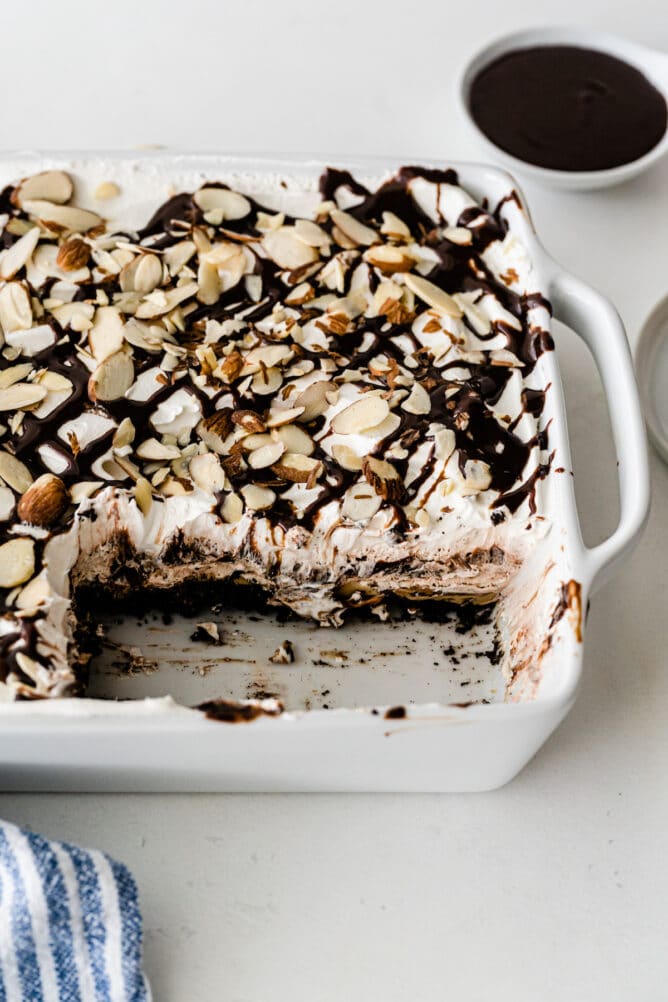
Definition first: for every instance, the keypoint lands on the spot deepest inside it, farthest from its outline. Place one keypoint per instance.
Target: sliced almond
(313, 400)
(347, 458)
(124, 434)
(84, 490)
(311, 233)
(294, 439)
(384, 478)
(258, 498)
(353, 229)
(458, 235)
(267, 381)
(34, 595)
(250, 421)
(21, 396)
(44, 502)
(301, 294)
(286, 249)
(417, 401)
(106, 337)
(151, 448)
(113, 377)
(147, 273)
(266, 455)
(230, 204)
(73, 254)
(178, 255)
(278, 418)
(14, 374)
(365, 413)
(14, 473)
(15, 307)
(388, 259)
(213, 430)
(17, 562)
(230, 367)
(77, 316)
(360, 502)
(7, 504)
(207, 473)
(52, 185)
(208, 280)
(67, 218)
(143, 493)
(32, 341)
(297, 468)
(394, 227)
(432, 295)
(232, 508)
(20, 252)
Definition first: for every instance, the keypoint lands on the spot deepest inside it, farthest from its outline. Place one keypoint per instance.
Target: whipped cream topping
(331, 394)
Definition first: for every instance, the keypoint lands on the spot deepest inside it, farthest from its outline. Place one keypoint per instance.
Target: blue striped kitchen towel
(70, 926)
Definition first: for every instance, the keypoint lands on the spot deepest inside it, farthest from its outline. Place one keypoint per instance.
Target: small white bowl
(653, 64)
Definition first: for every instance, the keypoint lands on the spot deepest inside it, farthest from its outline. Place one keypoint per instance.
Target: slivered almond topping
(44, 502)
(15, 308)
(432, 295)
(361, 502)
(357, 232)
(17, 562)
(388, 259)
(230, 204)
(232, 508)
(21, 396)
(51, 185)
(347, 458)
(294, 439)
(230, 367)
(20, 252)
(73, 254)
(147, 273)
(394, 227)
(287, 250)
(266, 455)
(258, 498)
(297, 468)
(361, 415)
(213, 430)
(143, 493)
(249, 421)
(313, 400)
(458, 235)
(207, 473)
(14, 473)
(67, 218)
(113, 377)
(384, 478)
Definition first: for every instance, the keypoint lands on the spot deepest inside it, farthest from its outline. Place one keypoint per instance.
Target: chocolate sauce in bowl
(568, 108)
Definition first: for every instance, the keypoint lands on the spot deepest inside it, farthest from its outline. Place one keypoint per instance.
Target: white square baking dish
(368, 707)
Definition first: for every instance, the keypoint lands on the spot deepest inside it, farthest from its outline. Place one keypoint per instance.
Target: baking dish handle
(599, 325)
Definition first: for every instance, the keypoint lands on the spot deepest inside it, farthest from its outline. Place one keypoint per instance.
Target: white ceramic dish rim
(652, 340)
(652, 63)
(577, 305)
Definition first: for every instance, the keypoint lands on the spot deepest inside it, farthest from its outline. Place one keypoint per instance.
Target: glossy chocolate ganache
(568, 108)
(333, 402)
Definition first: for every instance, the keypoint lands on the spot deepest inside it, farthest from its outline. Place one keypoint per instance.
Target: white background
(555, 888)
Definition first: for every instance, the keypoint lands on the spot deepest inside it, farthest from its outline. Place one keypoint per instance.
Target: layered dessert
(324, 389)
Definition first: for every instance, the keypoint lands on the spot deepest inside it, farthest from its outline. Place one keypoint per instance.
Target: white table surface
(555, 887)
